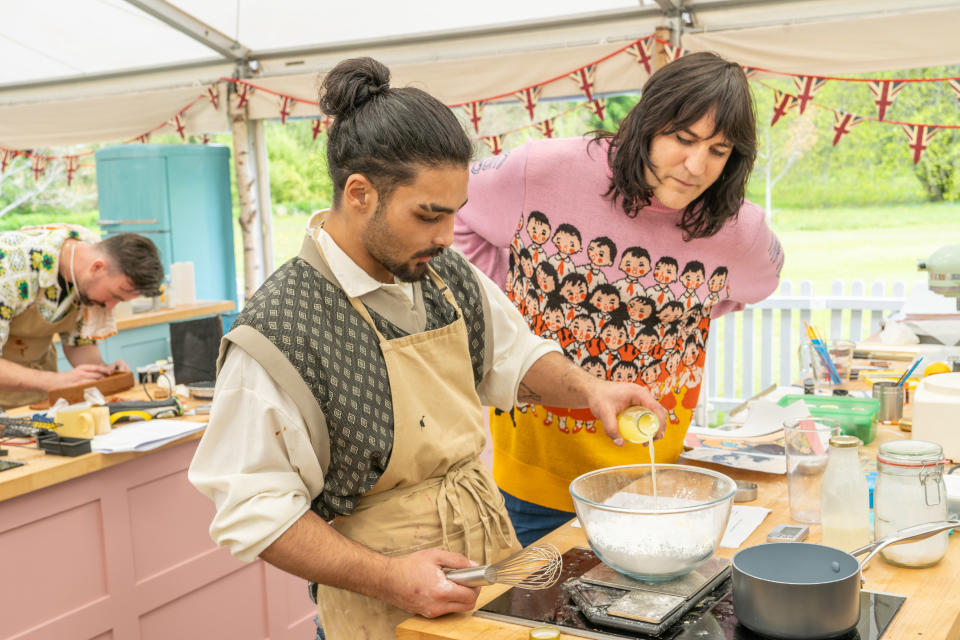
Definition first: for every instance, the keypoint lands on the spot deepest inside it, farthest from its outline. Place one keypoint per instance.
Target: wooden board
(111, 384)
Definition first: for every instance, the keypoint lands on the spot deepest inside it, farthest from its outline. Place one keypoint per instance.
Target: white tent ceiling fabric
(475, 67)
(836, 47)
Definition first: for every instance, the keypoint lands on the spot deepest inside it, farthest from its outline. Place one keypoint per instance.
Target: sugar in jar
(910, 490)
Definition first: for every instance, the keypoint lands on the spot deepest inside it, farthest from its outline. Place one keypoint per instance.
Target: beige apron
(30, 344)
(435, 492)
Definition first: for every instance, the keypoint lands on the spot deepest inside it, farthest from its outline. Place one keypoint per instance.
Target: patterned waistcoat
(308, 319)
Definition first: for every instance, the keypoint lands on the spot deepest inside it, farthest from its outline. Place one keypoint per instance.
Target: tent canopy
(110, 70)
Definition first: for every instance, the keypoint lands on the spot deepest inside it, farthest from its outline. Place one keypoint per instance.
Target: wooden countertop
(44, 470)
(182, 312)
(930, 612)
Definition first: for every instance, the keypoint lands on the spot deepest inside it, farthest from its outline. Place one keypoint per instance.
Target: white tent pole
(263, 196)
(247, 193)
(190, 26)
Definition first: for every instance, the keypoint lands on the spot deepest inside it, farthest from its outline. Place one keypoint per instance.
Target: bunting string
(884, 92)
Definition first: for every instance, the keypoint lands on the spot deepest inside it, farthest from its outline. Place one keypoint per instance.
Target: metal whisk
(536, 567)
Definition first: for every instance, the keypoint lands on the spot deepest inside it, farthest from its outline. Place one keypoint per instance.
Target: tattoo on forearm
(526, 394)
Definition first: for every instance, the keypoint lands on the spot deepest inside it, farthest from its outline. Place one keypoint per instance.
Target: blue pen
(906, 375)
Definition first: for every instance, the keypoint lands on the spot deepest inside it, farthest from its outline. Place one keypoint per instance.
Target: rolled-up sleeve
(515, 348)
(256, 460)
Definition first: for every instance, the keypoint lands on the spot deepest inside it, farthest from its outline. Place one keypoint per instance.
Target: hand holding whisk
(536, 567)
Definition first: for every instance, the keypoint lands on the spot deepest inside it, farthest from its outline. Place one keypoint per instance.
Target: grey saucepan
(800, 591)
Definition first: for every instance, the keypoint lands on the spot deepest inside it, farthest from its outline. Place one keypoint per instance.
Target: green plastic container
(856, 416)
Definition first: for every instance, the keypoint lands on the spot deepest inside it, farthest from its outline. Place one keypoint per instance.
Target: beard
(380, 242)
(84, 300)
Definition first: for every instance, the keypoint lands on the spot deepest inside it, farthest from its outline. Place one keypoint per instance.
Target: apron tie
(467, 482)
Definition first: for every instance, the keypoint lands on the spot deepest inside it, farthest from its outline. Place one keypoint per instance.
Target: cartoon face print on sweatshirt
(629, 315)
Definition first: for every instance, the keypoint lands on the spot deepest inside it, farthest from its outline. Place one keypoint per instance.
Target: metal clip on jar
(910, 490)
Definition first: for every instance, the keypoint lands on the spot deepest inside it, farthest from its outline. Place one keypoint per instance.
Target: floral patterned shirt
(29, 269)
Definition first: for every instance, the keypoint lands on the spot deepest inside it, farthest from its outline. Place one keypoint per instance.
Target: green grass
(872, 243)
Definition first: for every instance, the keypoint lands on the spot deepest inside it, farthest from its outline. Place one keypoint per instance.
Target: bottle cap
(844, 441)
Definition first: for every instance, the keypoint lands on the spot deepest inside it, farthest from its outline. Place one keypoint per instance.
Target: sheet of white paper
(764, 416)
(743, 520)
(144, 435)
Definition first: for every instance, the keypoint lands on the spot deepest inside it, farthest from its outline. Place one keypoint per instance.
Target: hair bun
(351, 84)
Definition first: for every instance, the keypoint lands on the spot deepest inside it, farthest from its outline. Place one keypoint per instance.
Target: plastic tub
(856, 416)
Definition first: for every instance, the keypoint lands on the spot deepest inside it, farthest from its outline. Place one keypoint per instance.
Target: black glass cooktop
(711, 619)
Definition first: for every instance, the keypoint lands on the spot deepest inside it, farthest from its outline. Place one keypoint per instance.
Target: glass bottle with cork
(844, 497)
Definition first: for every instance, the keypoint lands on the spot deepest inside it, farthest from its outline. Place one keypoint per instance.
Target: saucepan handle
(910, 534)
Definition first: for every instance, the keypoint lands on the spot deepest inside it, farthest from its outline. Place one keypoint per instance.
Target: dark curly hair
(674, 98)
(383, 133)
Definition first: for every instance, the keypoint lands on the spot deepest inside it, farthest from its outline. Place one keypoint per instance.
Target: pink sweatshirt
(627, 298)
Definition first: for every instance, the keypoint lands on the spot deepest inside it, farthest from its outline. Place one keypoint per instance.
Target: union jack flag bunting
(585, 79)
(205, 139)
(5, 158)
(244, 93)
(143, 139)
(884, 91)
(598, 107)
(546, 128)
(474, 113)
(320, 125)
(177, 123)
(673, 52)
(955, 85)
(70, 163)
(750, 72)
(919, 136)
(286, 108)
(843, 122)
(782, 104)
(213, 93)
(643, 52)
(529, 98)
(39, 166)
(495, 143)
(807, 88)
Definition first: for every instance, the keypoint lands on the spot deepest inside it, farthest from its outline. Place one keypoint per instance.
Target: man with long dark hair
(346, 426)
(668, 186)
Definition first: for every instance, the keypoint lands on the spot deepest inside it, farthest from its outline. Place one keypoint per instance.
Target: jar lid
(910, 453)
(844, 441)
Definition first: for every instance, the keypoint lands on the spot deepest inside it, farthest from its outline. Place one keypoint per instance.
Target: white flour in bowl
(651, 545)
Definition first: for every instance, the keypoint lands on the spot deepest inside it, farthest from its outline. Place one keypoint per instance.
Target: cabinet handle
(111, 223)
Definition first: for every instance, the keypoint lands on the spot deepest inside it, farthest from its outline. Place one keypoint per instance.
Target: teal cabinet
(179, 197)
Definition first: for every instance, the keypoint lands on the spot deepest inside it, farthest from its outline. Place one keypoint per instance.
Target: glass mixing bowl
(653, 538)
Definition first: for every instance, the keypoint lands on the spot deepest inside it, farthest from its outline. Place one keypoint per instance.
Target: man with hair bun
(667, 187)
(344, 437)
(62, 279)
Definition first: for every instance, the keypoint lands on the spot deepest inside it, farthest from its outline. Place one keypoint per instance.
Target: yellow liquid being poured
(640, 425)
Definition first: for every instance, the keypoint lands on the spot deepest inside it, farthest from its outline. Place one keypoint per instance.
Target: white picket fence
(750, 350)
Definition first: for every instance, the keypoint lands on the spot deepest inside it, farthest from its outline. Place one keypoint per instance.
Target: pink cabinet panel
(200, 614)
(168, 523)
(59, 558)
(124, 553)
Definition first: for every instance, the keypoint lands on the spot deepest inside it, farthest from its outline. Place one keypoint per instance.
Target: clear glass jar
(910, 490)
